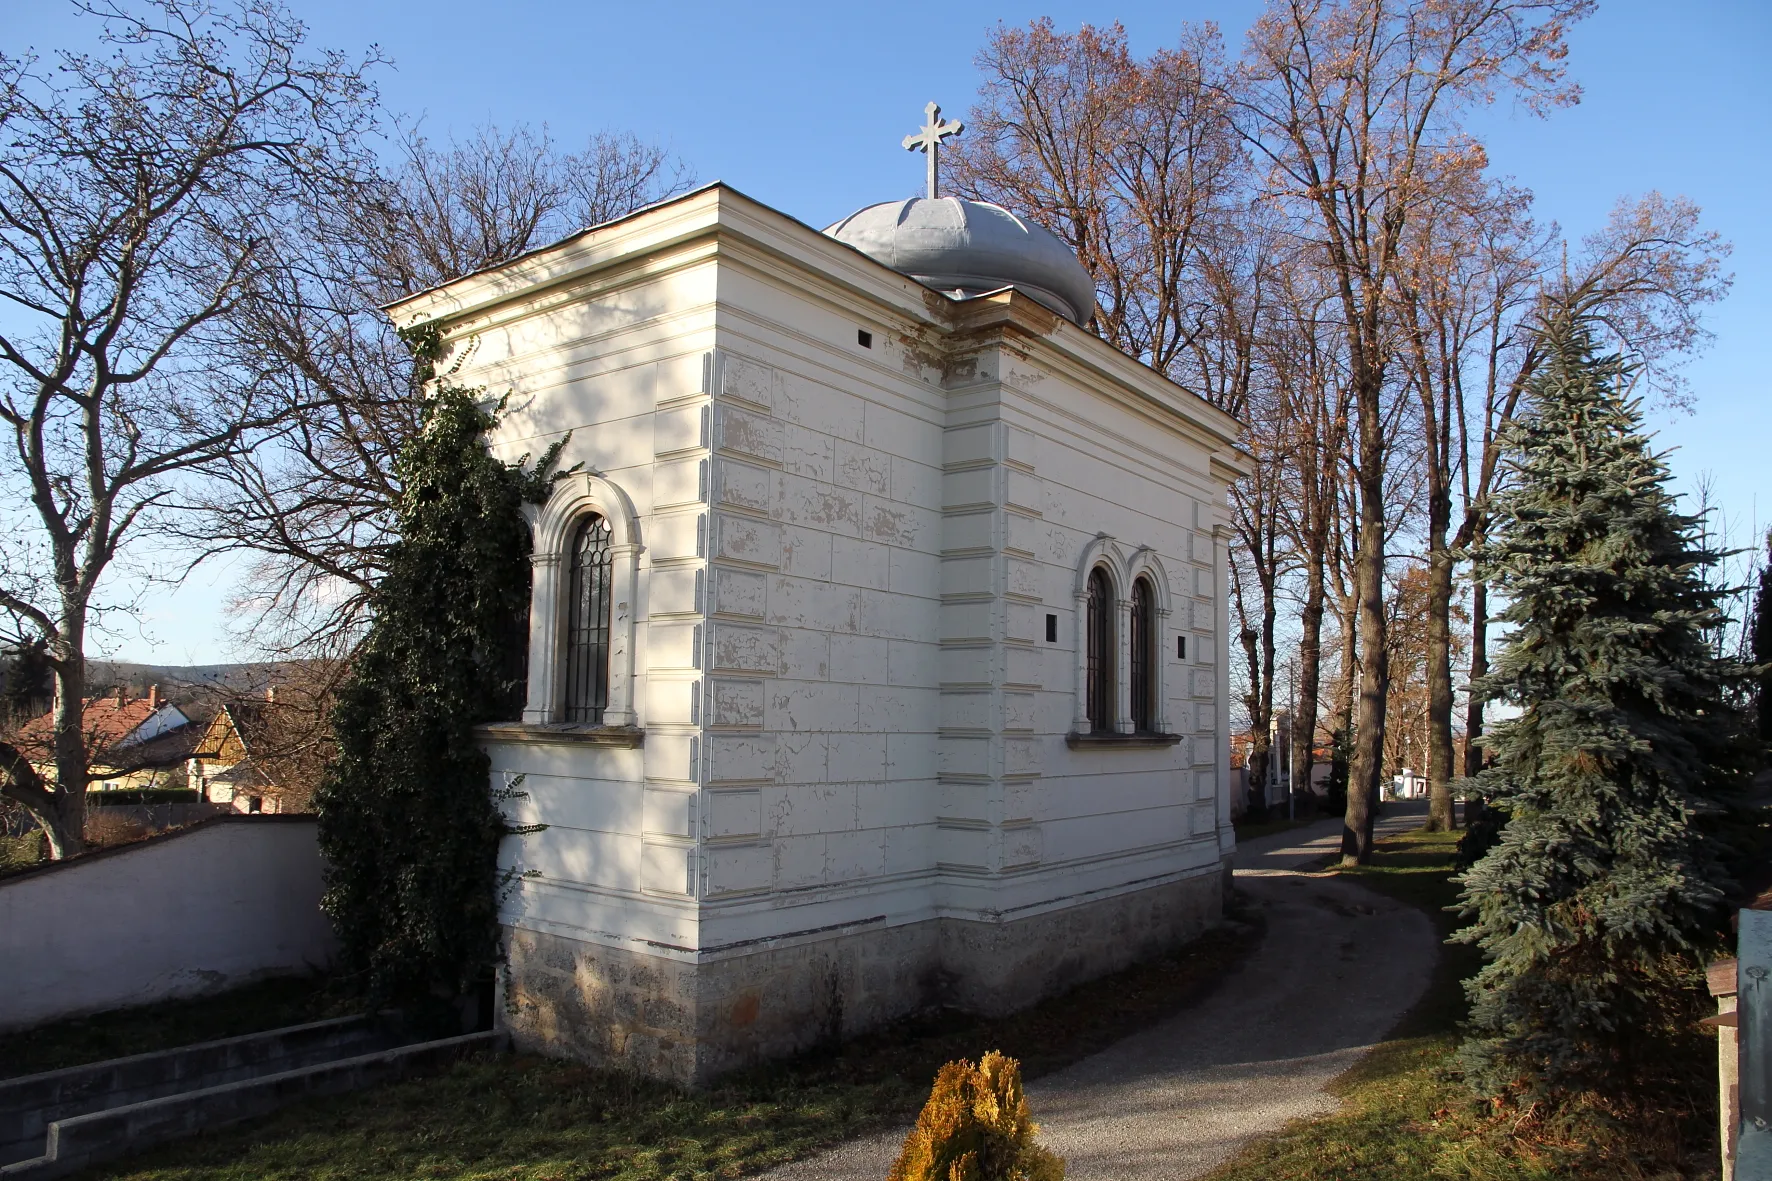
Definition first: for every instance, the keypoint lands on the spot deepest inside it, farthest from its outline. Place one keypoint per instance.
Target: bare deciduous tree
(479, 202)
(146, 197)
(1351, 105)
(312, 508)
(1302, 355)
(1461, 249)
(1135, 164)
(1362, 299)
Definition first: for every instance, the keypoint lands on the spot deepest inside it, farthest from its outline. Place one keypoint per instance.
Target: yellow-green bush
(975, 1127)
(20, 852)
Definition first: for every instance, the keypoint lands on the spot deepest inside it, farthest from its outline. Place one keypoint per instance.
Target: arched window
(586, 658)
(585, 566)
(1144, 656)
(1100, 638)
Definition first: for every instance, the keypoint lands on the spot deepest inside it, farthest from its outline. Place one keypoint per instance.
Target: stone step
(75, 1141)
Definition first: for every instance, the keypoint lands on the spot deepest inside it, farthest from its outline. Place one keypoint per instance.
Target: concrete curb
(82, 1140)
(28, 1105)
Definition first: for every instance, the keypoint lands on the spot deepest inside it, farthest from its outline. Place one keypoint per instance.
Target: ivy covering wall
(409, 824)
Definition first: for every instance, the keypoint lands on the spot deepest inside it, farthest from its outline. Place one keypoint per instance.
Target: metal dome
(971, 247)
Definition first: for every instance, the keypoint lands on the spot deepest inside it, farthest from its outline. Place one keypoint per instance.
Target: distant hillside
(198, 688)
(134, 679)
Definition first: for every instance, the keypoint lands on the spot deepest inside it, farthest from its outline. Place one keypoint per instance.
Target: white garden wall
(201, 909)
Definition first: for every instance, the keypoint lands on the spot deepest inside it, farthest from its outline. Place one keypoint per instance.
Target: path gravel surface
(1337, 969)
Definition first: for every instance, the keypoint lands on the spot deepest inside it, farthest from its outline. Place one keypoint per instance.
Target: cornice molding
(1082, 741)
(718, 221)
(561, 735)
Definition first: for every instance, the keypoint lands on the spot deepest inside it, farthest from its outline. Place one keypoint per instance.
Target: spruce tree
(1597, 905)
(409, 824)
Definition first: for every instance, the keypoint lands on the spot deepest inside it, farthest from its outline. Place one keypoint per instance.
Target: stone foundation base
(690, 1020)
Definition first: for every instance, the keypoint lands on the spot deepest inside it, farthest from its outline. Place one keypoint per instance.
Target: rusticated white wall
(191, 912)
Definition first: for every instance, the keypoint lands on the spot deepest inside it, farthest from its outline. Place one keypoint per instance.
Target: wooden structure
(1743, 988)
(256, 759)
(1721, 978)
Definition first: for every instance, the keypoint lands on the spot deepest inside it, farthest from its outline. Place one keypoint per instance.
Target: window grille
(1143, 655)
(587, 623)
(1100, 629)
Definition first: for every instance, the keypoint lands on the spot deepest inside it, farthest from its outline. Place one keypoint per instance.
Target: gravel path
(1338, 968)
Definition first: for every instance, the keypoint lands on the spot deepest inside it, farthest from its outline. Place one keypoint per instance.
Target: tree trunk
(1310, 675)
(1350, 663)
(1434, 383)
(65, 820)
(1440, 816)
(1268, 613)
(1368, 762)
(1255, 764)
(1473, 709)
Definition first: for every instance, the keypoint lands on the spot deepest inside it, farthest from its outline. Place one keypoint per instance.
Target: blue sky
(803, 107)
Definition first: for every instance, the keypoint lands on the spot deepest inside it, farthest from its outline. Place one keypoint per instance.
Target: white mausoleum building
(877, 644)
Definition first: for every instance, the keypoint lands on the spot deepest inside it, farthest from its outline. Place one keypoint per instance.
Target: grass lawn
(268, 1004)
(1405, 1119)
(515, 1117)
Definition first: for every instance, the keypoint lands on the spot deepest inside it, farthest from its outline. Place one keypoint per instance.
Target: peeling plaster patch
(962, 371)
(863, 469)
(921, 359)
(891, 525)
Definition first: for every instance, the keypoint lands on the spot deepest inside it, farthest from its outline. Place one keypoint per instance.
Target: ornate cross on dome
(928, 141)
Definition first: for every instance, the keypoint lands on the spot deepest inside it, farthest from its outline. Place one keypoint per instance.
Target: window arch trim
(1102, 553)
(1144, 564)
(1101, 653)
(1122, 567)
(1144, 656)
(553, 526)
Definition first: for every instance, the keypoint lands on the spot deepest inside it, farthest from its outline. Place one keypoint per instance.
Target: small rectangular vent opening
(864, 338)
(1052, 629)
(1181, 647)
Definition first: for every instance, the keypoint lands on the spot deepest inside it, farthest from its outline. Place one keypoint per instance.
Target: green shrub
(975, 1127)
(409, 823)
(18, 853)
